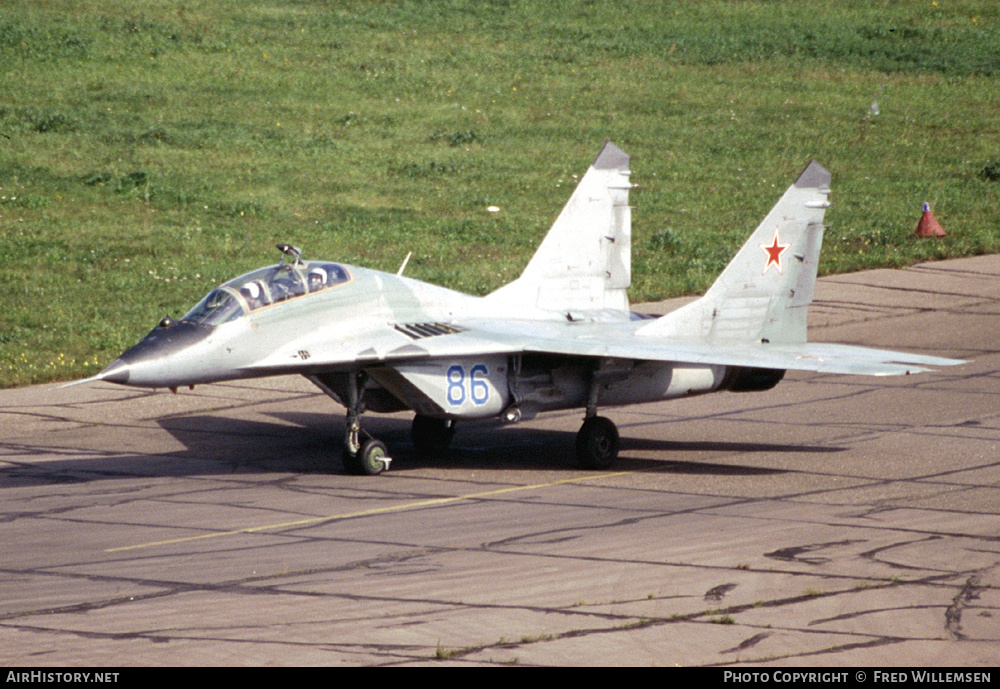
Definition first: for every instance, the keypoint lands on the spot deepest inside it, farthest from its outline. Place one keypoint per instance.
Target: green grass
(151, 149)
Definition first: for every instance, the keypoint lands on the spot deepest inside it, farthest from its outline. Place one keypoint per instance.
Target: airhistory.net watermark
(44, 677)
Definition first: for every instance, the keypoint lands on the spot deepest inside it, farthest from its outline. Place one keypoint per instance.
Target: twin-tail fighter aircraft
(561, 336)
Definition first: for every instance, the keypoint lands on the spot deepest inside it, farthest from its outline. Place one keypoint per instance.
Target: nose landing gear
(367, 458)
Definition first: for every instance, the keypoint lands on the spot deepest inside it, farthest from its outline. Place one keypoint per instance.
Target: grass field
(151, 149)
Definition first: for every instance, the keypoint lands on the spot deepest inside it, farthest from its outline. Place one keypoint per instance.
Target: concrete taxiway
(831, 521)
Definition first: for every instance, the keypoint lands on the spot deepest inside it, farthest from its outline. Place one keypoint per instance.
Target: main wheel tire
(431, 437)
(597, 443)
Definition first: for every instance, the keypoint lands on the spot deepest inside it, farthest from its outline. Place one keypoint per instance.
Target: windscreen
(220, 306)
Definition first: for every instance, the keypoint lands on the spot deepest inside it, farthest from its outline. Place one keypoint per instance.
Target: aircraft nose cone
(167, 339)
(171, 354)
(115, 372)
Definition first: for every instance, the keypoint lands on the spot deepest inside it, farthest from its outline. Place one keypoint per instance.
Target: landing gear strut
(369, 457)
(597, 440)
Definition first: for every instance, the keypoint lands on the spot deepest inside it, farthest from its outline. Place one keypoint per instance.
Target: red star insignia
(773, 252)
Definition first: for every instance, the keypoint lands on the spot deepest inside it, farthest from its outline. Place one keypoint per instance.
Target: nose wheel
(371, 459)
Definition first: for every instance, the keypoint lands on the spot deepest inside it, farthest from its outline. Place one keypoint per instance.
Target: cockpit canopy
(265, 287)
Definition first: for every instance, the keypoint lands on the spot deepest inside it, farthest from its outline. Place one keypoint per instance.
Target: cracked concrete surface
(831, 521)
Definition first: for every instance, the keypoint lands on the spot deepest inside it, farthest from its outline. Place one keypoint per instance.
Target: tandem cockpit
(267, 287)
(184, 352)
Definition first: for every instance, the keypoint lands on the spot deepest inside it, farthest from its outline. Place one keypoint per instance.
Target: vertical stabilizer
(764, 292)
(584, 262)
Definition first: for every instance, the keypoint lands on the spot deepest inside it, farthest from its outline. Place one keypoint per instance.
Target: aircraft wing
(613, 341)
(481, 337)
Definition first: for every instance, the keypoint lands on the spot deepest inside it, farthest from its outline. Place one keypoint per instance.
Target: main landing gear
(431, 437)
(597, 439)
(597, 443)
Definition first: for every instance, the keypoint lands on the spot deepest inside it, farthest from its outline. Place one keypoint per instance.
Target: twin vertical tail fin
(763, 294)
(584, 263)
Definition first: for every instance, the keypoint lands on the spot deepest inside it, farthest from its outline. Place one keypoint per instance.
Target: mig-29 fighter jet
(561, 336)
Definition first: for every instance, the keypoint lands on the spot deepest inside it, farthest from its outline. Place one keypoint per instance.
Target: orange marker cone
(928, 225)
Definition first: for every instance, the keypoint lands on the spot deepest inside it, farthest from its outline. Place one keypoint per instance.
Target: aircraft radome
(561, 336)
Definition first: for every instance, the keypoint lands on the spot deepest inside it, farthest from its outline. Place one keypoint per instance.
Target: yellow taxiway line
(365, 513)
